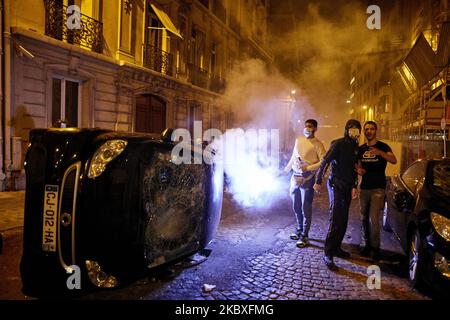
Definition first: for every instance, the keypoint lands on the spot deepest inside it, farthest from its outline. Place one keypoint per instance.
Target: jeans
(340, 198)
(302, 195)
(371, 202)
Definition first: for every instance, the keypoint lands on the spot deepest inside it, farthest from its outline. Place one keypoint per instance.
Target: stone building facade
(403, 85)
(127, 65)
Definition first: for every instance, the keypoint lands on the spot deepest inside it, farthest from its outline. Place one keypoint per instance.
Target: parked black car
(112, 204)
(418, 212)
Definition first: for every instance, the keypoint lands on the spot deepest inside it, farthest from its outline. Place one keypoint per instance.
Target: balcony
(158, 60)
(219, 10)
(198, 76)
(234, 24)
(87, 34)
(217, 84)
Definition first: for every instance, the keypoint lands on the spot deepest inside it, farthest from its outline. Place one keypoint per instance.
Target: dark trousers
(340, 198)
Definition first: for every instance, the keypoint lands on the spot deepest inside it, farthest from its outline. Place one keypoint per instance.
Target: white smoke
(257, 95)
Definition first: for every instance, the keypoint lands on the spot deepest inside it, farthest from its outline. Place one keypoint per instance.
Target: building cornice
(137, 72)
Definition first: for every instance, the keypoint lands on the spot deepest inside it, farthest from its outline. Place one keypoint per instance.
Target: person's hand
(317, 187)
(359, 169)
(355, 193)
(375, 151)
(304, 167)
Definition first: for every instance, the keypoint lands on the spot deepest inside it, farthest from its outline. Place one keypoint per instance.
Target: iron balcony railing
(88, 33)
(219, 10)
(158, 60)
(198, 76)
(217, 84)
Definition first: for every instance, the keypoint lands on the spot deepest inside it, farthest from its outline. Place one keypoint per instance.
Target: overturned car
(109, 205)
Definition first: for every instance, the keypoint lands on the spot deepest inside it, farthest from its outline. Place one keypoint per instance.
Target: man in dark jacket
(343, 181)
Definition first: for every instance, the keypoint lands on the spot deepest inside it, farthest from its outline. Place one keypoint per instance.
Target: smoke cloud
(314, 46)
(261, 100)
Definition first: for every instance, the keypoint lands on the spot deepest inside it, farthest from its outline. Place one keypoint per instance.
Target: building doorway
(150, 114)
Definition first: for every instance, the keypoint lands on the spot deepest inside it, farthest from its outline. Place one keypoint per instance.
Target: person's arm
(387, 155)
(291, 161)
(320, 149)
(329, 156)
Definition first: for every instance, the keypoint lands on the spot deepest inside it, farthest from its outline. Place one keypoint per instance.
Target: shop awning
(165, 20)
(443, 51)
(422, 61)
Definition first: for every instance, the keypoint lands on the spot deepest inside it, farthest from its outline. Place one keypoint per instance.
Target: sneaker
(329, 262)
(365, 251)
(342, 254)
(296, 235)
(303, 242)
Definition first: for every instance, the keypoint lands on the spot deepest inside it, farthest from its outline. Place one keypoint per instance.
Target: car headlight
(105, 154)
(442, 225)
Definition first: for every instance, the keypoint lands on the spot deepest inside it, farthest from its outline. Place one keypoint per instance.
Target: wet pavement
(251, 258)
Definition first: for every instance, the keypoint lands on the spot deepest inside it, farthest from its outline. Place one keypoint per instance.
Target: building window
(205, 3)
(66, 97)
(198, 48)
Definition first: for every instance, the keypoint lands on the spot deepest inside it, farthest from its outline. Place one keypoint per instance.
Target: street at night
(252, 258)
(224, 151)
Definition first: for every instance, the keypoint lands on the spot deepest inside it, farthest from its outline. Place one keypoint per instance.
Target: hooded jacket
(343, 155)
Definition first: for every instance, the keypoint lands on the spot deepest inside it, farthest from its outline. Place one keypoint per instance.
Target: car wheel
(386, 226)
(416, 260)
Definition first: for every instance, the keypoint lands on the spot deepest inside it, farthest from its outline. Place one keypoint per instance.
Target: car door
(402, 198)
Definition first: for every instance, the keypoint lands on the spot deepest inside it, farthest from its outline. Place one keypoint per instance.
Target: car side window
(412, 176)
(441, 178)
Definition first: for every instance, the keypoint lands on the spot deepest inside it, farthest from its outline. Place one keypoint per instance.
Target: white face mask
(354, 133)
(307, 132)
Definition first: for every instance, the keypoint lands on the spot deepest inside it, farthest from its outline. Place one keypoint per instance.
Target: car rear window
(441, 178)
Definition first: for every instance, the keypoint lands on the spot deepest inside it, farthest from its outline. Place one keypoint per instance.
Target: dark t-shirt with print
(375, 166)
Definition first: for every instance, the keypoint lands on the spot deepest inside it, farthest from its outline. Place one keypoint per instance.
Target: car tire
(416, 260)
(386, 226)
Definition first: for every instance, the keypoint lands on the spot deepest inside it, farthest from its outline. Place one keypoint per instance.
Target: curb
(3, 236)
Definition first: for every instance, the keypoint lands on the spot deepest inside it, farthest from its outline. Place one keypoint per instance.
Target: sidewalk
(11, 210)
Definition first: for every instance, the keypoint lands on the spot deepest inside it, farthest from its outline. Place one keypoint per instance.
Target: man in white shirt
(306, 157)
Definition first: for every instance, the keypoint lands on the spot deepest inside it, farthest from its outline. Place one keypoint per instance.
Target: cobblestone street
(253, 258)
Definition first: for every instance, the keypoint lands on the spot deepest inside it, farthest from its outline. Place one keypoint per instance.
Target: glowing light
(365, 107)
(293, 92)
(254, 186)
(251, 172)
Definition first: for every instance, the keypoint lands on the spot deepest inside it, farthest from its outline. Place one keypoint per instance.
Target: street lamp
(290, 101)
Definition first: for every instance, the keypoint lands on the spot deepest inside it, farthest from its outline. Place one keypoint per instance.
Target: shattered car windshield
(441, 179)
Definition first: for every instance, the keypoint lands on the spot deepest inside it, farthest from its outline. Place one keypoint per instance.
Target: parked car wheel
(386, 226)
(416, 260)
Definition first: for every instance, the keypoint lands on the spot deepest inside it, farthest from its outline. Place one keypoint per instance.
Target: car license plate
(50, 218)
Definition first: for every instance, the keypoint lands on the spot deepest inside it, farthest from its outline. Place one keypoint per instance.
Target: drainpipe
(2, 100)
(6, 38)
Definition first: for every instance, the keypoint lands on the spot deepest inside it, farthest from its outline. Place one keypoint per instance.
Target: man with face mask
(306, 156)
(343, 181)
